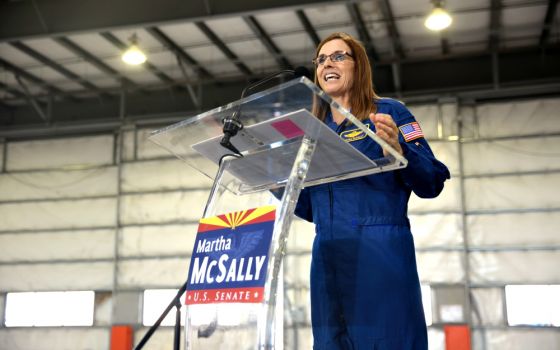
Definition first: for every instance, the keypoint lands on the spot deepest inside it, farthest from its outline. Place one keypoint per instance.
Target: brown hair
(362, 92)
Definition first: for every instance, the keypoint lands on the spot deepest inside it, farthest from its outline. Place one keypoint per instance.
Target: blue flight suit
(365, 291)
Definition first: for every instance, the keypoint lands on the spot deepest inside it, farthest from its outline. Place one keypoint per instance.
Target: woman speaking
(365, 291)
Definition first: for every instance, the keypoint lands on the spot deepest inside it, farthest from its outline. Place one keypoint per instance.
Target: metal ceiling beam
(548, 18)
(396, 43)
(495, 25)
(459, 75)
(60, 69)
(179, 52)
(444, 43)
(76, 49)
(35, 80)
(494, 39)
(123, 46)
(267, 42)
(89, 126)
(19, 19)
(12, 91)
(308, 27)
(362, 30)
(223, 47)
(44, 115)
(5, 106)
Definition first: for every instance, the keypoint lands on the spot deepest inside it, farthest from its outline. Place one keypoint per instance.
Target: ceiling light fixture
(439, 19)
(133, 55)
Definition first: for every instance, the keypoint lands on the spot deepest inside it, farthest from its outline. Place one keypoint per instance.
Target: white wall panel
(436, 339)
(513, 192)
(2, 147)
(58, 184)
(448, 154)
(60, 153)
(427, 117)
(305, 338)
(439, 267)
(75, 171)
(519, 118)
(297, 269)
(58, 214)
(302, 234)
(161, 340)
(129, 145)
(520, 229)
(522, 339)
(436, 230)
(56, 277)
(2, 308)
(516, 155)
(147, 149)
(490, 305)
(164, 174)
(448, 199)
(153, 273)
(163, 207)
(449, 113)
(523, 267)
(64, 338)
(93, 244)
(154, 240)
(103, 308)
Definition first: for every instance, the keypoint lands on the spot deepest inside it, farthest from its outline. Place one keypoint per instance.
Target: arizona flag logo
(230, 257)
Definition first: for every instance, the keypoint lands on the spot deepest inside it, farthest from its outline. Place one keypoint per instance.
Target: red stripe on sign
(226, 295)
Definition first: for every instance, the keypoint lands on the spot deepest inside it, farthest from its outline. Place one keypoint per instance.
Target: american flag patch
(411, 131)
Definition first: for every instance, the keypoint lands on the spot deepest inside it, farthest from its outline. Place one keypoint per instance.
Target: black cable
(228, 155)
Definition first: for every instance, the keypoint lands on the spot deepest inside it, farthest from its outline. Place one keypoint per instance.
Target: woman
(365, 292)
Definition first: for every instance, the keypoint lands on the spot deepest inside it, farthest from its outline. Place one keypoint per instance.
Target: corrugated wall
(114, 213)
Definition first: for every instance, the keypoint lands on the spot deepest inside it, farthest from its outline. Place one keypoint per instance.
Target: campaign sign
(230, 257)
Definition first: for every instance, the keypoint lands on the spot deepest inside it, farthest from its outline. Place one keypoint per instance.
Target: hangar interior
(88, 204)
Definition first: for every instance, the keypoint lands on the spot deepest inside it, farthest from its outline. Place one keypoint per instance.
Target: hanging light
(438, 19)
(133, 55)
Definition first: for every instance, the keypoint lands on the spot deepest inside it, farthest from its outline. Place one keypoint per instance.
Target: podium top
(274, 123)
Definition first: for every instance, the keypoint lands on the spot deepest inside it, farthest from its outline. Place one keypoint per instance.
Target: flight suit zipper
(340, 128)
(331, 208)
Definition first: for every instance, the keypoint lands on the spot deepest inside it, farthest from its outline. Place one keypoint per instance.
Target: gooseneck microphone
(232, 125)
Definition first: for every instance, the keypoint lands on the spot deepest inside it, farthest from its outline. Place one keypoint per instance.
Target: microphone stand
(176, 302)
(232, 125)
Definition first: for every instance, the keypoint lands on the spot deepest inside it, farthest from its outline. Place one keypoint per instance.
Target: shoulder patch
(353, 135)
(411, 131)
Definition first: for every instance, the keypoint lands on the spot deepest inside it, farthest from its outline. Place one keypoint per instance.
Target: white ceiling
(521, 24)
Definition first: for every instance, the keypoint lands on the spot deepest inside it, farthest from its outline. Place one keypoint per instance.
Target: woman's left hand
(386, 129)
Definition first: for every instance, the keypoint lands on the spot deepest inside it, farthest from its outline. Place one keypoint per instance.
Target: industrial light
(439, 19)
(133, 55)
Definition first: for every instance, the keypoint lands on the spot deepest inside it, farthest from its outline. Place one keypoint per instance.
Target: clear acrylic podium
(284, 145)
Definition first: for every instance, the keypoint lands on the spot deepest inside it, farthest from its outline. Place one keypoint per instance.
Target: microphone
(232, 125)
(302, 71)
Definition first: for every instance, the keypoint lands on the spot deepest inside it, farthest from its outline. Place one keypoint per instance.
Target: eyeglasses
(337, 56)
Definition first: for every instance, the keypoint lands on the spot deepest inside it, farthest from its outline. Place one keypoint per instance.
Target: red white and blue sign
(230, 257)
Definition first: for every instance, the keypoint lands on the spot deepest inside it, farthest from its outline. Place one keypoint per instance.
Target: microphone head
(302, 71)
